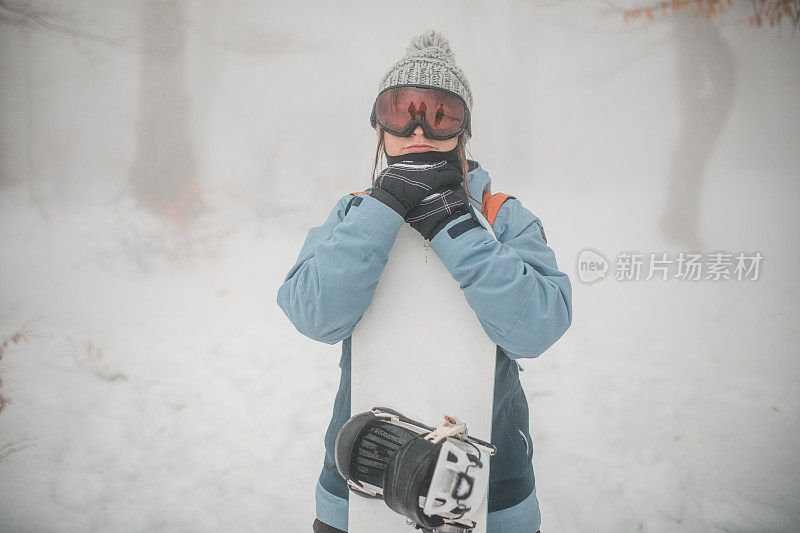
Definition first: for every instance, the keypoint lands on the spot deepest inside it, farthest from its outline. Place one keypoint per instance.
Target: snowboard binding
(436, 477)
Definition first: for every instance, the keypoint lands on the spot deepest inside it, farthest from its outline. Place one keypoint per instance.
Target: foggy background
(162, 162)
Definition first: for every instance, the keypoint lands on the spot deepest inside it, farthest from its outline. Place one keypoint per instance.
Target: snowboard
(420, 349)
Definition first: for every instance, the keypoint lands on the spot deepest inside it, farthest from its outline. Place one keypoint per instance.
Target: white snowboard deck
(419, 349)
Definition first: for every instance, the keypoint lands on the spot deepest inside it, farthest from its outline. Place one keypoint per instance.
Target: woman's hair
(461, 150)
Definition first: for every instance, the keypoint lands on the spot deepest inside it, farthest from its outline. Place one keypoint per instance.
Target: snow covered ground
(158, 387)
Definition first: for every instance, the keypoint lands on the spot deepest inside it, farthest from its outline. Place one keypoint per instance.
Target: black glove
(402, 185)
(435, 212)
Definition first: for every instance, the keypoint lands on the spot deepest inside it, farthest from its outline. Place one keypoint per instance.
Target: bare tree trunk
(30, 161)
(163, 176)
(705, 83)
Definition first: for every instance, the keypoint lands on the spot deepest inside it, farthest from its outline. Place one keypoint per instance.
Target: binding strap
(492, 203)
(405, 479)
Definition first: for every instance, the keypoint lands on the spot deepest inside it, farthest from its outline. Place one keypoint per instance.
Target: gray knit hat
(430, 62)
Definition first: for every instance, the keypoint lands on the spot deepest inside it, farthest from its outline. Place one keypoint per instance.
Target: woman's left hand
(435, 211)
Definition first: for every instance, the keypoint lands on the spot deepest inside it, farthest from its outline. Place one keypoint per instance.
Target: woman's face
(416, 143)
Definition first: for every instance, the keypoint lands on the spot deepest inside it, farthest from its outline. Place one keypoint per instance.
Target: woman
(422, 115)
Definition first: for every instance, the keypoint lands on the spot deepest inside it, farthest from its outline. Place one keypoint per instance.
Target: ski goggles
(442, 114)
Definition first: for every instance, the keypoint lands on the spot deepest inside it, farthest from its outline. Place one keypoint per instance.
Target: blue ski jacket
(522, 300)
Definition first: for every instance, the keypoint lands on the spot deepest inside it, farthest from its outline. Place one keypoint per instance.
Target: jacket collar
(478, 180)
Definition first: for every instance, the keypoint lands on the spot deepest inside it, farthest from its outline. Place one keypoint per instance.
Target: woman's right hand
(402, 185)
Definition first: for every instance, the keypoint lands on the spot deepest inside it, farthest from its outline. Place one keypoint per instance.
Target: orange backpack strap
(492, 203)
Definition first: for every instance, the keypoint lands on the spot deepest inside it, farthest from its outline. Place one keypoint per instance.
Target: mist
(162, 162)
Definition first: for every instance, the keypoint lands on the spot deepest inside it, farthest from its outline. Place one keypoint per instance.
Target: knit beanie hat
(430, 62)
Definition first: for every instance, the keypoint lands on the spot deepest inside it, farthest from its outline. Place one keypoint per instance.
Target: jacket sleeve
(513, 284)
(333, 282)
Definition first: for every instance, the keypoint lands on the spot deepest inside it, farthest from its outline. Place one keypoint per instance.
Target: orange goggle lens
(442, 114)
